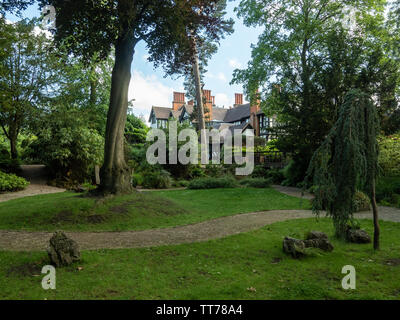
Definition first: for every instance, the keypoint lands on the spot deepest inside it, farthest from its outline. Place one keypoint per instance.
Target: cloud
(222, 100)
(148, 91)
(220, 76)
(235, 64)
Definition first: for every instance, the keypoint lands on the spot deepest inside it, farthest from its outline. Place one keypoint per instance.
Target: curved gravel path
(212, 229)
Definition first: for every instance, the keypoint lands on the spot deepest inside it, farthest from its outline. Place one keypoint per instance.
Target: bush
(157, 180)
(293, 173)
(256, 182)
(137, 180)
(213, 183)
(180, 183)
(389, 156)
(10, 182)
(70, 153)
(361, 202)
(388, 191)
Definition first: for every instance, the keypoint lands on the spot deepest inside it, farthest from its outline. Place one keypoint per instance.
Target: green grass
(218, 269)
(138, 211)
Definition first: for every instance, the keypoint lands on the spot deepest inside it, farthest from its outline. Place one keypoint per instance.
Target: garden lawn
(246, 266)
(137, 211)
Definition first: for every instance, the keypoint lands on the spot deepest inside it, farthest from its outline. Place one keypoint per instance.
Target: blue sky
(149, 87)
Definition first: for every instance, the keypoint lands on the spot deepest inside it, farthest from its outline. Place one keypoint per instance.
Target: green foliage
(361, 202)
(25, 75)
(346, 161)
(293, 173)
(196, 171)
(213, 183)
(389, 155)
(137, 179)
(157, 180)
(68, 147)
(388, 191)
(10, 182)
(307, 58)
(180, 183)
(256, 182)
(135, 130)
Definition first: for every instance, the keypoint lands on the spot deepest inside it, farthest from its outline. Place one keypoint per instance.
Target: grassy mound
(137, 211)
(245, 266)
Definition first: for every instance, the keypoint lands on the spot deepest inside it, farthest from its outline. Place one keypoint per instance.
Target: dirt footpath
(36, 175)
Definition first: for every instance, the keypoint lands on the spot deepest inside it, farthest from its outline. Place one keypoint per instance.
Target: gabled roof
(238, 113)
(160, 113)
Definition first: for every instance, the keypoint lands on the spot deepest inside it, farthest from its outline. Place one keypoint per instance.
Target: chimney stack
(213, 100)
(208, 104)
(238, 99)
(191, 102)
(179, 100)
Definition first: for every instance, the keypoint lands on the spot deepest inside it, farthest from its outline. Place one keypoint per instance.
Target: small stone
(62, 250)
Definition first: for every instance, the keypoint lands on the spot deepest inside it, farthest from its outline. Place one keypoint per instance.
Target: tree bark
(115, 173)
(376, 218)
(199, 93)
(13, 136)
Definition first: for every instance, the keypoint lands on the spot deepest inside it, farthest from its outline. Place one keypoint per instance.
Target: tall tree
(346, 161)
(307, 57)
(94, 27)
(24, 76)
(14, 6)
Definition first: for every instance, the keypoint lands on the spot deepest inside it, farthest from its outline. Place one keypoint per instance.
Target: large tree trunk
(376, 218)
(13, 136)
(199, 92)
(115, 173)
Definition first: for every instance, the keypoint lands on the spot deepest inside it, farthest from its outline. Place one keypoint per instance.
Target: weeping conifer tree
(346, 161)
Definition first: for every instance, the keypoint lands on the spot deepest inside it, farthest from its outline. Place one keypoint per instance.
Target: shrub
(215, 170)
(388, 191)
(137, 180)
(389, 156)
(293, 173)
(157, 180)
(260, 172)
(180, 183)
(10, 182)
(361, 202)
(212, 183)
(196, 172)
(70, 153)
(256, 182)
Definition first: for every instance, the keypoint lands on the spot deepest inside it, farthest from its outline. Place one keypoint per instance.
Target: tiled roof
(161, 113)
(238, 113)
(219, 114)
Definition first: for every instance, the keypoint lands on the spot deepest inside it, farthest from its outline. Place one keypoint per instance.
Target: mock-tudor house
(240, 116)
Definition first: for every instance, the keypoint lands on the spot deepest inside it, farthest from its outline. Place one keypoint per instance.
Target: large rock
(315, 239)
(357, 236)
(294, 247)
(63, 251)
(316, 235)
(321, 243)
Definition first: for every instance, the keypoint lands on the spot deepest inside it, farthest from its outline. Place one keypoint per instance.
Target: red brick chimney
(238, 99)
(208, 105)
(179, 100)
(191, 103)
(254, 109)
